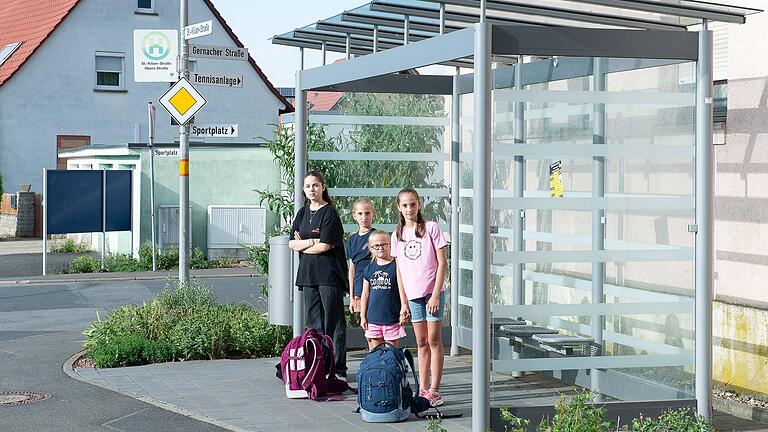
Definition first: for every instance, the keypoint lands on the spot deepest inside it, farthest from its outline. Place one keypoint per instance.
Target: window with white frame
(145, 6)
(7, 51)
(110, 68)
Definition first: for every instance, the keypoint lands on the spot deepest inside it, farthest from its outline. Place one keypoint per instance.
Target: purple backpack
(303, 367)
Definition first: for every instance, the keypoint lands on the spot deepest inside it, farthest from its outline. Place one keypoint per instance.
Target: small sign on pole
(166, 152)
(200, 29)
(215, 130)
(217, 80)
(218, 52)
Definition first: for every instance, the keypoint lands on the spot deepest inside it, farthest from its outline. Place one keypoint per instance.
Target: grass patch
(182, 323)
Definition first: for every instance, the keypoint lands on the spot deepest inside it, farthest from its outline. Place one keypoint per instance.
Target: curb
(68, 369)
(122, 278)
(741, 410)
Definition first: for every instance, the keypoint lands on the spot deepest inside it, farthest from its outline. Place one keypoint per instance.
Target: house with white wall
(67, 82)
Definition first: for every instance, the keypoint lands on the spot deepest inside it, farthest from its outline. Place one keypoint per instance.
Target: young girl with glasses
(380, 302)
(419, 248)
(358, 252)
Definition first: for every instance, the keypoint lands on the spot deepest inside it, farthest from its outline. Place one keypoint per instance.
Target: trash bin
(280, 281)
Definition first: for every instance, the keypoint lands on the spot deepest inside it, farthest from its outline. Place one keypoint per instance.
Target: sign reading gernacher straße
(218, 52)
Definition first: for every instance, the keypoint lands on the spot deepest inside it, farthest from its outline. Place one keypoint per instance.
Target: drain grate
(14, 398)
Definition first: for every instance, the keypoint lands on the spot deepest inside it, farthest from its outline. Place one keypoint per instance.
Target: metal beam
(396, 83)
(455, 209)
(481, 238)
(393, 22)
(459, 17)
(688, 9)
(441, 49)
(703, 242)
(583, 42)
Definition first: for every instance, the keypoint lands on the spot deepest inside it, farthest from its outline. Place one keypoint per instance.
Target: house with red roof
(68, 99)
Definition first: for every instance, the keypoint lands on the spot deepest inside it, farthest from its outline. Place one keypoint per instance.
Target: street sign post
(218, 52)
(155, 55)
(182, 101)
(200, 29)
(215, 130)
(217, 80)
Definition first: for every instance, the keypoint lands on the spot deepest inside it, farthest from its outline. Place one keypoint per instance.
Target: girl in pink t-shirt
(419, 249)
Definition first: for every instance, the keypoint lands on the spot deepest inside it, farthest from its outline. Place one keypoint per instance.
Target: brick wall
(24, 220)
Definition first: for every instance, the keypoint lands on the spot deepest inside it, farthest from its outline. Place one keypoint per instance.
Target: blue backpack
(384, 394)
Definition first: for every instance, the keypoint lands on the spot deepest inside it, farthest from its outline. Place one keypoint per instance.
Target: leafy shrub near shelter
(69, 245)
(182, 323)
(84, 264)
(166, 260)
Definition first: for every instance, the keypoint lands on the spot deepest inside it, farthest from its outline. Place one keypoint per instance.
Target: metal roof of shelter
(383, 24)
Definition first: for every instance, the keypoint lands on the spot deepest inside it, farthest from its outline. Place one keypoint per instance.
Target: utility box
(168, 227)
(280, 281)
(232, 228)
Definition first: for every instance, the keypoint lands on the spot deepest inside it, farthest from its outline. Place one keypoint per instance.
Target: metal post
(103, 217)
(151, 143)
(442, 18)
(598, 216)
(375, 38)
(183, 159)
(301, 58)
(703, 329)
(455, 209)
(481, 239)
(518, 245)
(300, 168)
(406, 29)
(45, 220)
(325, 51)
(348, 49)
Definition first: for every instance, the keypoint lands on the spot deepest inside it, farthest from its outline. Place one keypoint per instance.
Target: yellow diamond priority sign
(182, 101)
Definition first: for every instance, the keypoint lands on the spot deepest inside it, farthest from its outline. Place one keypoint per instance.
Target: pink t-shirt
(417, 259)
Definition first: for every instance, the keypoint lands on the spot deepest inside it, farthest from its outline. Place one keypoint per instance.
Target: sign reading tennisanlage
(155, 55)
(217, 80)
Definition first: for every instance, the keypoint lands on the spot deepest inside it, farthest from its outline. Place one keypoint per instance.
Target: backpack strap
(333, 384)
(409, 358)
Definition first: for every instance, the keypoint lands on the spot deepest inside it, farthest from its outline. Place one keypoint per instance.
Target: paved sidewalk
(244, 395)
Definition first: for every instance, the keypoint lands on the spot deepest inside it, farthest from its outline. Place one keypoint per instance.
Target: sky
(255, 21)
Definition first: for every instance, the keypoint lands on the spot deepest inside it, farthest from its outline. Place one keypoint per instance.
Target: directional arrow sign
(218, 80)
(182, 101)
(218, 52)
(199, 29)
(215, 130)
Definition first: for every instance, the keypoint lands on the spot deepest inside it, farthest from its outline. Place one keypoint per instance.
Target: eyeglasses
(379, 246)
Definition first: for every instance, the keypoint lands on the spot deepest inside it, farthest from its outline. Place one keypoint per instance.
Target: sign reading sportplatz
(215, 131)
(155, 55)
(218, 80)
(219, 53)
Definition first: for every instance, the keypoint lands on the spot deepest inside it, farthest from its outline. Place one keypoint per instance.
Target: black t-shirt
(330, 267)
(360, 255)
(384, 298)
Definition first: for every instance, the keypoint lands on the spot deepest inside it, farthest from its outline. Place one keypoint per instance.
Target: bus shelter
(577, 168)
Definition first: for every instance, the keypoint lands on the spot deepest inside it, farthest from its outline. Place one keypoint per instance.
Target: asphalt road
(41, 327)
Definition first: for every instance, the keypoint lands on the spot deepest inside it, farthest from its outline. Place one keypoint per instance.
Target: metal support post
(183, 158)
(151, 143)
(325, 51)
(301, 58)
(481, 239)
(406, 29)
(103, 217)
(348, 49)
(300, 168)
(442, 18)
(45, 220)
(598, 216)
(518, 285)
(455, 209)
(703, 245)
(375, 39)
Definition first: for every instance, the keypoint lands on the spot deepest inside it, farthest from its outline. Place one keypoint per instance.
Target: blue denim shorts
(419, 312)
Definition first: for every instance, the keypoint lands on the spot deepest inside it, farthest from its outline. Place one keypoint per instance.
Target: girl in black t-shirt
(318, 237)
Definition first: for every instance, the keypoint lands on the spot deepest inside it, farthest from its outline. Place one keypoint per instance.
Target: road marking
(122, 418)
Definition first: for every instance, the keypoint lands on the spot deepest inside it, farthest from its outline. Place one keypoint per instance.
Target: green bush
(167, 259)
(122, 263)
(258, 257)
(681, 420)
(223, 262)
(197, 260)
(84, 264)
(183, 323)
(578, 414)
(68, 245)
